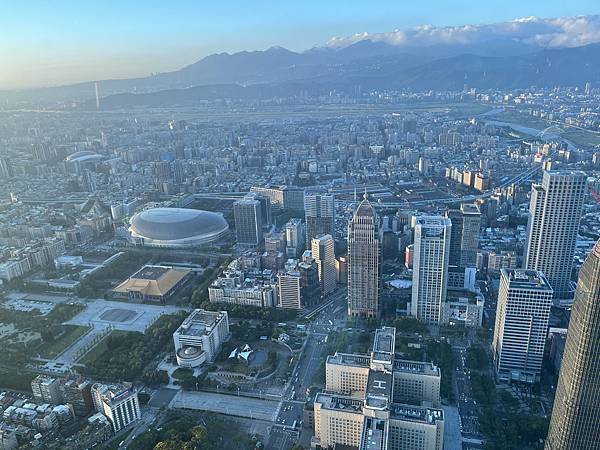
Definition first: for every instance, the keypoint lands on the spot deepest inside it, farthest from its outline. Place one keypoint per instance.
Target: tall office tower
(522, 314)
(363, 262)
(290, 292)
(554, 214)
(431, 252)
(310, 288)
(294, 237)
(464, 240)
(576, 413)
(248, 222)
(323, 252)
(320, 216)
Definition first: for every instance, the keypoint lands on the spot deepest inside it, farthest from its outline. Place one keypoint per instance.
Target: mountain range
(503, 61)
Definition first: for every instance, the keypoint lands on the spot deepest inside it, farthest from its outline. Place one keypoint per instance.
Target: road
(467, 407)
(332, 317)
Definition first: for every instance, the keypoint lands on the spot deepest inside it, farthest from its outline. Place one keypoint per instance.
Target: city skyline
(380, 230)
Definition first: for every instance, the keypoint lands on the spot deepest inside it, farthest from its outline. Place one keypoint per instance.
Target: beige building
(416, 383)
(338, 420)
(363, 262)
(347, 373)
(152, 283)
(415, 428)
(378, 402)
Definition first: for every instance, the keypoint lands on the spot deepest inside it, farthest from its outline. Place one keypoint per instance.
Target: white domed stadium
(177, 227)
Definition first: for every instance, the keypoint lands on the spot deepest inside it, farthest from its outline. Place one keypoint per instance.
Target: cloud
(547, 33)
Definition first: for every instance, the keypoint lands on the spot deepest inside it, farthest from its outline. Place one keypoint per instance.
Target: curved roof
(167, 224)
(84, 155)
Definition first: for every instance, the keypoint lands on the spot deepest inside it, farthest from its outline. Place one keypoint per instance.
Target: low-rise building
(200, 337)
(152, 283)
(239, 288)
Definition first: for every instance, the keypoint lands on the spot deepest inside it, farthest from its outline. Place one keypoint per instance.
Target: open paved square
(232, 405)
(121, 315)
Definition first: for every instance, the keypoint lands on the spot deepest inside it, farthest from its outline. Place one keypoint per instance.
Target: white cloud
(559, 32)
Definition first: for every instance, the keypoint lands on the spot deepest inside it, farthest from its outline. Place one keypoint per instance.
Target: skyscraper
(294, 238)
(576, 413)
(323, 251)
(554, 214)
(522, 314)
(430, 267)
(464, 241)
(363, 262)
(320, 216)
(248, 222)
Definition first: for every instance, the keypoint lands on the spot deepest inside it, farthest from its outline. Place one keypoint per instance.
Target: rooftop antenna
(97, 95)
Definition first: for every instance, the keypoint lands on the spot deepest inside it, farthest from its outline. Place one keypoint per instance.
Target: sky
(48, 42)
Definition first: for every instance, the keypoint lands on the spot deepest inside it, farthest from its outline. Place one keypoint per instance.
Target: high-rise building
(323, 252)
(290, 292)
(522, 315)
(363, 262)
(248, 222)
(554, 215)
(430, 267)
(464, 240)
(294, 238)
(310, 287)
(576, 413)
(319, 210)
(118, 402)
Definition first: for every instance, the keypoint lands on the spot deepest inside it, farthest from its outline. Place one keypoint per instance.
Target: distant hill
(371, 65)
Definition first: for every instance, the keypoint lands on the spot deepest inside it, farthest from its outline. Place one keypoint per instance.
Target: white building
(200, 336)
(294, 238)
(118, 402)
(554, 215)
(430, 267)
(290, 291)
(522, 314)
(233, 287)
(323, 252)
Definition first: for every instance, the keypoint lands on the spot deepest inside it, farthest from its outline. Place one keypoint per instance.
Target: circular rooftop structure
(84, 156)
(177, 227)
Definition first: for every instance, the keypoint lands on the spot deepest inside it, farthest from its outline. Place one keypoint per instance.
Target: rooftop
(339, 402)
(379, 389)
(415, 413)
(526, 279)
(403, 365)
(349, 359)
(154, 281)
(200, 322)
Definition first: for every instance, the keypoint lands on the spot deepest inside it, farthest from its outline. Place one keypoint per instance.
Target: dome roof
(84, 155)
(168, 224)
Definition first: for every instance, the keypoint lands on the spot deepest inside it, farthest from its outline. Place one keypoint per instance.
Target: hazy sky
(47, 42)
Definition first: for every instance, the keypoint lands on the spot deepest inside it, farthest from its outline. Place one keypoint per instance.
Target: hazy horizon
(49, 45)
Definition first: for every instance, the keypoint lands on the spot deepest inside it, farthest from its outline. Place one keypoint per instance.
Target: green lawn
(72, 333)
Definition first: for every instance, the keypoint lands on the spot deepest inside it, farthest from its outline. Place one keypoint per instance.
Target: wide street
(332, 317)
